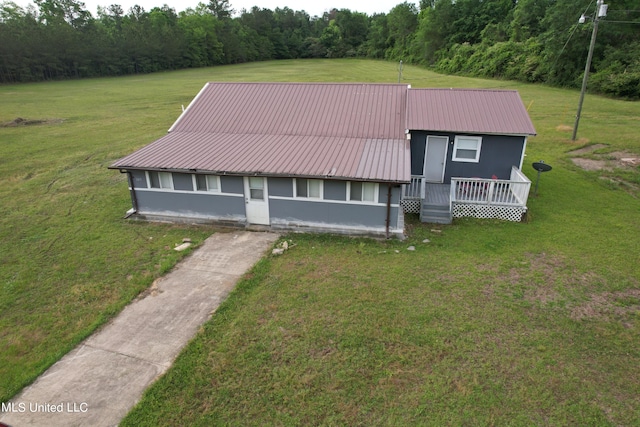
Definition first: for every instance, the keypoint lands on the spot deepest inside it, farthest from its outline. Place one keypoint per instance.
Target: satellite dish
(540, 166)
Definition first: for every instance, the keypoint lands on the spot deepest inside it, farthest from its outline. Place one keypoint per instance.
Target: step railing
(415, 189)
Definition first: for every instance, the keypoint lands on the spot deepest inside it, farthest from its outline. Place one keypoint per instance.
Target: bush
(617, 80)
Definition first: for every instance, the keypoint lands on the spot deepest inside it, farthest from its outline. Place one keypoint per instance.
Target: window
(160, 180)
(256, 188)
(363, 191)
(467, 149)
(207, 183)
(310, 188)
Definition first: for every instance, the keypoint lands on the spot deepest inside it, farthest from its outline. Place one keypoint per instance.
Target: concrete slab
(97, 383)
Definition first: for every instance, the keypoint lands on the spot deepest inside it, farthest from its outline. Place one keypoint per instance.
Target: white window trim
(208, 190)
(159, 180)
(455, 149)
(295, 189)
(364, 202)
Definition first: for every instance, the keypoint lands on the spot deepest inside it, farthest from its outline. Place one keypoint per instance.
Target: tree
(354, 27)
(202, 47)
(331, 39)
(378, 36)
(220, 8)
(402, 22)
(72, 12)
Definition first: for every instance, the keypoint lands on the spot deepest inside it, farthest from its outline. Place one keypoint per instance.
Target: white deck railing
(414, 190)
(511, 192)
(520, 191)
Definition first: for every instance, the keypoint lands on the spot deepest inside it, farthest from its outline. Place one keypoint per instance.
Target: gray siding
(232, 184)
(332, 213)
(497, 155)
(191, 205)
(282, 187)
(182, 181)
(418, 145)
(335, 190)
(327, 213)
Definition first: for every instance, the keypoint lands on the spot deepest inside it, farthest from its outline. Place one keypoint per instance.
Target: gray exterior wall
(333, 213)
(418, 145)
(327, 213)
(196, 204)
(497, 154)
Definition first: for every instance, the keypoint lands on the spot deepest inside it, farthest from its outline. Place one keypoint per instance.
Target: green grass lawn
(488, 323)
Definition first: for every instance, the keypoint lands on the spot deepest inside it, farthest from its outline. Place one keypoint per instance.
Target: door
(435, 157)
(256, 200)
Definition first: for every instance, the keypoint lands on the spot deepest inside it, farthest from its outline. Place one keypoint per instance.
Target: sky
(313, 8)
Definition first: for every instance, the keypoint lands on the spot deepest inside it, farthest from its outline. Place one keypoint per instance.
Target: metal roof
(319, 109)
(280, 155)
(468, 110)
(353, 131)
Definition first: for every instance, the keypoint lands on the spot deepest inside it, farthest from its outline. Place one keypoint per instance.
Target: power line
(623, 22)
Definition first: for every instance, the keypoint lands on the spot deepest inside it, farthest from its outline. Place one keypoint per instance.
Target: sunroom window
(160, 180)
(363, 191)
(207, 183)
(309, 188)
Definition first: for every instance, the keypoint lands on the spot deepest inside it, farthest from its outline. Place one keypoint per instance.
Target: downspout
(134, 200)
(388, 209)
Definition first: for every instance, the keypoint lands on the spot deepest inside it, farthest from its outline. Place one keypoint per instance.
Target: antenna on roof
(400, 71)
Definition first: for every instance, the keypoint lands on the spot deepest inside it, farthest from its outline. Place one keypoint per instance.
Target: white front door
(256, 199)
(435, 157)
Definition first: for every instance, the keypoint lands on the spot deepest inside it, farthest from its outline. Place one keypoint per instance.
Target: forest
(525, 40)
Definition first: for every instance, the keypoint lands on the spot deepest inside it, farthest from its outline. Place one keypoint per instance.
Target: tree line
(526, 40)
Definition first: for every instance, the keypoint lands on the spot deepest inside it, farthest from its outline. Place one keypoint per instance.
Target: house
(467, 151)
(346, 158)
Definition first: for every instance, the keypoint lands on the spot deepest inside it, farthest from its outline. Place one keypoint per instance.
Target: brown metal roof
(354, 131)
(318, 109)
(469, 111)
(282, 155)
(351, 131)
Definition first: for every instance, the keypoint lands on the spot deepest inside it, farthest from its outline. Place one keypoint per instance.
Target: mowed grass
(488, 323)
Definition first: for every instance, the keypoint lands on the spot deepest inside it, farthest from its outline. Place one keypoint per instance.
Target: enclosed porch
(468, 197)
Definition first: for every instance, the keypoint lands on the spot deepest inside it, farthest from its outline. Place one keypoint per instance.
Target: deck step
(439, 208)
(437, 214)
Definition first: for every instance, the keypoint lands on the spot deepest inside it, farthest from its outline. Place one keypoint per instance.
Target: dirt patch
(603, 161)
(19, 121)
(544, 278)
(564, 128)
(590, 164)
(587, 149)
(609, 305)
(625, 158)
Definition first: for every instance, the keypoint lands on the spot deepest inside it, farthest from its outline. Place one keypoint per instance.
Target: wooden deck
(477, 197)
(437, 194)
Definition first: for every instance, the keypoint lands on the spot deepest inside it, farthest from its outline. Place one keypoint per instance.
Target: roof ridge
(311, 83)
(461, 89)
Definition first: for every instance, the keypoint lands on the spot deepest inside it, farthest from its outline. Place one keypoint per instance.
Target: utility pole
(601, 11)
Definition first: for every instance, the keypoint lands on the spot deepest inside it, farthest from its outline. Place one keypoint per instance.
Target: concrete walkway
(98, 382)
